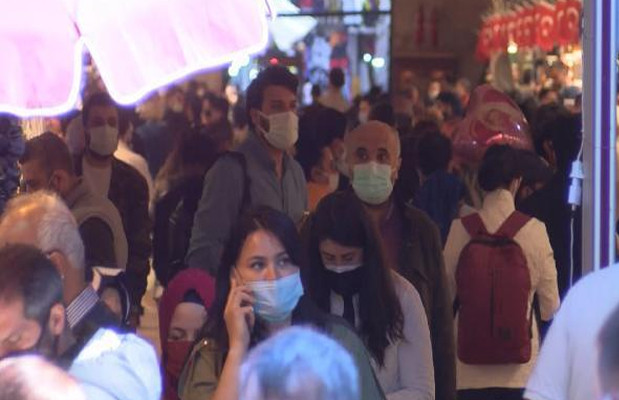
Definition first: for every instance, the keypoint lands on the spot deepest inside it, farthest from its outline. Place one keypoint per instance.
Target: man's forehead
(278, 92)
(16, 229)
(372, 136)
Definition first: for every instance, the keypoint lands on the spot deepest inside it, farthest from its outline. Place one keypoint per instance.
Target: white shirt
(125, 154)
(408, 372)
(98, 178)
(533, 239)
(567, 365)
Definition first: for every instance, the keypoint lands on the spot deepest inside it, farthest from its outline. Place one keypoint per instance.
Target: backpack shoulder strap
(240, 158)
(474, 225)
(513, 224)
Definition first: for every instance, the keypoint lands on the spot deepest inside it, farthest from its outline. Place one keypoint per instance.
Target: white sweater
(408, 371)
(533, 240)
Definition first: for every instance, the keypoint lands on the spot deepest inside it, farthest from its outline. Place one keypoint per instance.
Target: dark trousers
(491, 394)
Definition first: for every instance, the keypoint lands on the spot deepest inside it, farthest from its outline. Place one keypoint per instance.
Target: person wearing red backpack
(496, 261)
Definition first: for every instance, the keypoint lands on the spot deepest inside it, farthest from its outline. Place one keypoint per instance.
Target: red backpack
(493, 285)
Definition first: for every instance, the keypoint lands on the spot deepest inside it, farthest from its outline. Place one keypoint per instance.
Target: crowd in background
(354, 222)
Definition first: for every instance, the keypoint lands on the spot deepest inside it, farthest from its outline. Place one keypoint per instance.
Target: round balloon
(491, 118)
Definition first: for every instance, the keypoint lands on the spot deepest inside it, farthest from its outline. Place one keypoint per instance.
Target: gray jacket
(222, 198)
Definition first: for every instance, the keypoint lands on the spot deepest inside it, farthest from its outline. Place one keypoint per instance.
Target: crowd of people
(340, 250)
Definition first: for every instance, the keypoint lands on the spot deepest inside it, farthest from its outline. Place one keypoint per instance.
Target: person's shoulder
(109, 352)
(341, 331)
(534, 229)
(107, 341)
(229, 165)
(296, 167)
(595, 285)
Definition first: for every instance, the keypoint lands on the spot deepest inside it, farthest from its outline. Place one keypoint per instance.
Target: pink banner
(138, 46)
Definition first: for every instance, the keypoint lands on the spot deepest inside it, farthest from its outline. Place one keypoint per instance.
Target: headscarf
(191, 279)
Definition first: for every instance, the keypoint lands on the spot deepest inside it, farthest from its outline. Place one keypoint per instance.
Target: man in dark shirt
(122, 184)
(560, 142)
(410, 241)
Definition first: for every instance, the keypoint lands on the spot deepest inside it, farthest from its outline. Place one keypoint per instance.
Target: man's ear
(56, 321)
(398, 165)
(254, 114)
(60, 262)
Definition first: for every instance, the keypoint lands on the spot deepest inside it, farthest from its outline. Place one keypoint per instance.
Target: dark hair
(26, 274)
(528, 76)
(219, 132)
(340, 217)
(330, 125)
(219, 103)
(451, 100)
(564, 131)
(50, 151)
(261, 218)
(336, 77)
(239, 115)
(425, 126)
(100, 99)
(309, 147)
(271, 76)
(316, 90)
(126, 116)
(434, 152)
(542, 118)
(545, 92)
(408, 182)
(608, 363)
(383, 112)
(499, 167)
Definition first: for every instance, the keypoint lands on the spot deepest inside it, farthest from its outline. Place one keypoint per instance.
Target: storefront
(310, 37)
(542, 39)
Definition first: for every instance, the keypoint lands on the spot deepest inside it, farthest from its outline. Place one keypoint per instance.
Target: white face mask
(334, 182)
(283, 130)
(103, 140)
(372, 182)
(340, 269)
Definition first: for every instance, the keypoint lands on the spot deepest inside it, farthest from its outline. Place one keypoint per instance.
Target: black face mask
(345, 283)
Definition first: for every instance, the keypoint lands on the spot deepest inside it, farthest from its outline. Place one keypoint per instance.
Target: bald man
(410, 241)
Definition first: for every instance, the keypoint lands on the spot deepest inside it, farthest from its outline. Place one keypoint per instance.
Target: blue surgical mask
(275, 300)
(372, 182)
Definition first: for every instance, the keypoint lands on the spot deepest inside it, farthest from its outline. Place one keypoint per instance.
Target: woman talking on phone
(259, 292)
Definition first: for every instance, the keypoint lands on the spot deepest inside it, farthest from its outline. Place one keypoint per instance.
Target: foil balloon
(492, 118)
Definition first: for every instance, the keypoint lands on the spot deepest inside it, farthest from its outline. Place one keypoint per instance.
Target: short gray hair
(52, 221)
(297, 361)
(33, 378)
